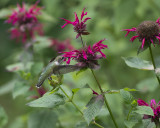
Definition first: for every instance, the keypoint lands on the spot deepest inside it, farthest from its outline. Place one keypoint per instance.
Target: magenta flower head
(154, 106)
(79, 25)
(25, 22)
(148, 32)
(86, 57)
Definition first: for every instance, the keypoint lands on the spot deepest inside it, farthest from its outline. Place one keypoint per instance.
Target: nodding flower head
(79, 25)
(86, 57)
(147, 31)
(25, 22)
(155, 107)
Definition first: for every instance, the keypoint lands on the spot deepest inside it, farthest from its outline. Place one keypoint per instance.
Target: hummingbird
(55, 67)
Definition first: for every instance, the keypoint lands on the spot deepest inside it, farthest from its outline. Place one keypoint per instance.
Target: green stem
(106, 102)
(70, 99)
(98, 125)
(153, 62)
(129, 113)
(82, 41)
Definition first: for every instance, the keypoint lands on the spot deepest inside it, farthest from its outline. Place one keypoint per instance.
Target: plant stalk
(70, 99)
(106, 102)
(153, 62)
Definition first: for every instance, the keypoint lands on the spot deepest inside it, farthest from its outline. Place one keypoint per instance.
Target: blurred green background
(109, 17)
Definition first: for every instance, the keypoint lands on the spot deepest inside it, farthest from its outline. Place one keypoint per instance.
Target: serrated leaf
(130, 123)
(138, 63)
(42, 119)
(144, 110)
(48, 101)
(20, 88)
(93, 108)
(128, 98)
(3, 117)
(147, 123)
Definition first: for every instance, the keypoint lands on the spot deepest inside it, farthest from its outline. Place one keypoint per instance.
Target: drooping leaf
(128, 98)
(49, 100)
(93, 108)
(20, 88)
(144, 110)
(42, 119)
(3, 117)
(138, 63)
(130, 123)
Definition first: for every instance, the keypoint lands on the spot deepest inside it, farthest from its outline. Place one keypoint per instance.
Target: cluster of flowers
(25, 23)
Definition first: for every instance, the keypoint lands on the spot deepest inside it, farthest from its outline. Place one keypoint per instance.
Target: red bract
(61, 46)
(87, 56)
(79, 25)
(147, 31)
(25, 22)
(154, 106)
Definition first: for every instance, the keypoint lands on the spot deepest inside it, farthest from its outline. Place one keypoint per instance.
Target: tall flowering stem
(106, 102)
(153, 62)
(70, 99)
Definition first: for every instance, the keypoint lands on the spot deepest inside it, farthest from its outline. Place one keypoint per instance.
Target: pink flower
(88, 56)
(25, 22)
(61, 46)
(154, 106)
(79, 25)
(147, 31)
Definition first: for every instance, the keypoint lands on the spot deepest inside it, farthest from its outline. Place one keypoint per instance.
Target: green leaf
(3, 117)
(15, 67)
(48, 100)
(145, 85)
(128, 98)
(112, 92)
(81, 125)
(144, 110)
(93, 108)
(36, 68)
(148, 124)
(138, 63)
(75, 90)
(130, 123)
(42, 119)
(20, 88)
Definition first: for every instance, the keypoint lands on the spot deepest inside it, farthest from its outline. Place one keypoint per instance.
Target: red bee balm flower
(86, 57)
(147, 31)
(79, 25)
(154, 106)
(25, 22)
